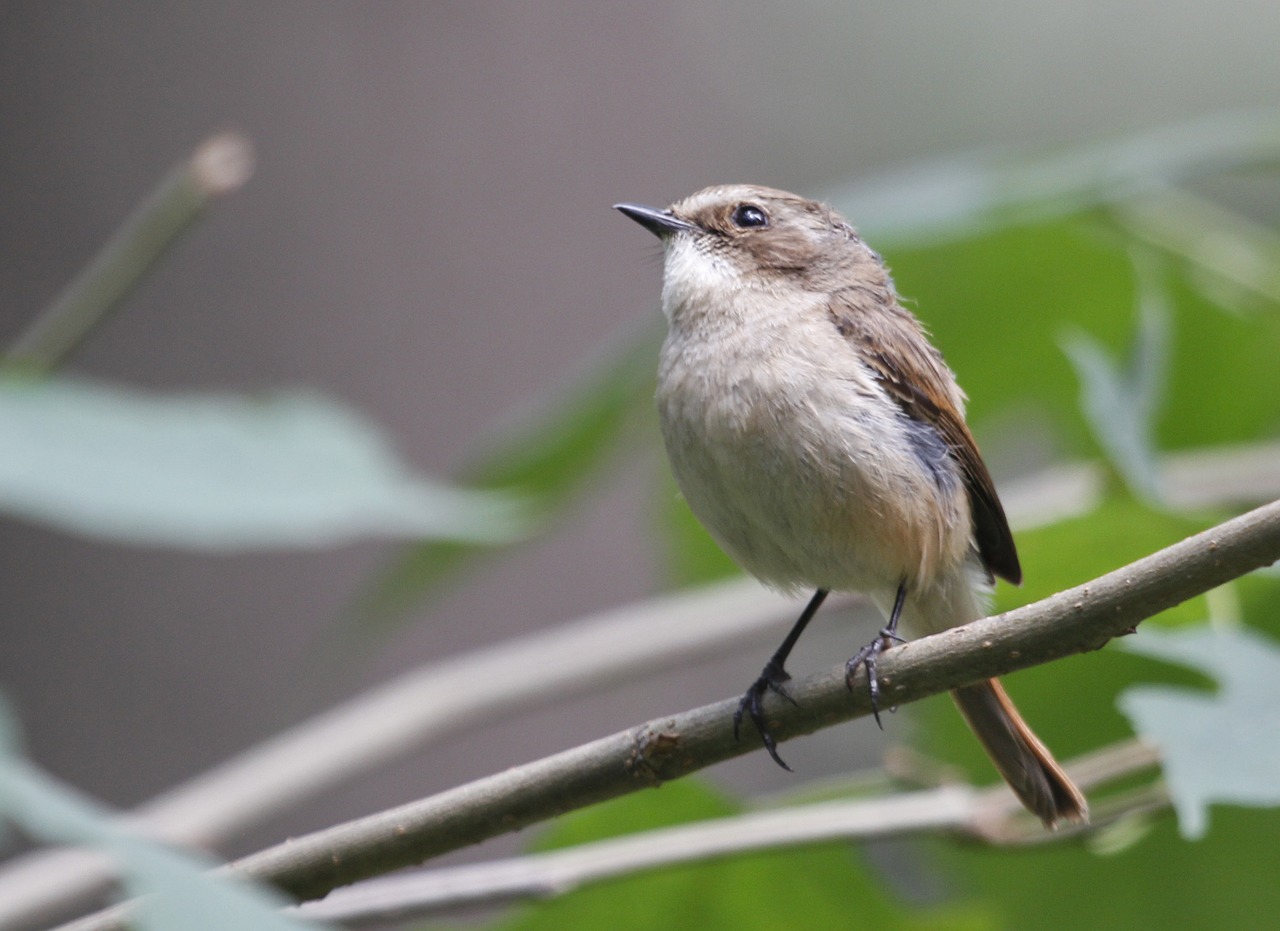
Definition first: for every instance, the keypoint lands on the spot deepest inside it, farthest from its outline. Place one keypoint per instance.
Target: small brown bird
(821, 439)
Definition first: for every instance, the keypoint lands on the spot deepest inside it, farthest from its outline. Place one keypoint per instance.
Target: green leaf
(1119, 531)
(1120, 400)
(1055, 558)
(1163, 881)
(814, 888)
(1222, 747)
(1231, 259)
(994, 303)
(219, 471)
(997, 302)
(1225, 384)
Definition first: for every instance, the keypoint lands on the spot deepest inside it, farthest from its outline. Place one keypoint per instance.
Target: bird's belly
(809, 490)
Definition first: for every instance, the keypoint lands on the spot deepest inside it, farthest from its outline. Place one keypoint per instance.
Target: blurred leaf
(547, 454)
(961, 196)
(181, 893)
(1054, 558)
(1232, 259)
(995, 302)
(1222, 747)
(1120, 399)
(812, 887)
(1162, 881)
(218, 471)
(691, 555)
(1074, 551)
(1225, 384)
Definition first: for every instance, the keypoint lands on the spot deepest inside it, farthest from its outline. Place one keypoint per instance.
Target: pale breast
(793, 458)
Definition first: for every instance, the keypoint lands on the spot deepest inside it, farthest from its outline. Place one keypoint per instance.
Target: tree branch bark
(617, 645)
(989, 815)
(1074, 621)
(1077, 620)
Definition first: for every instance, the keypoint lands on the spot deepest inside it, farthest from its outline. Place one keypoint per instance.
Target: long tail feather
(1024, 762)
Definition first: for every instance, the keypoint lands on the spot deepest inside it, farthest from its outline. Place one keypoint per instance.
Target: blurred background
(428, 238)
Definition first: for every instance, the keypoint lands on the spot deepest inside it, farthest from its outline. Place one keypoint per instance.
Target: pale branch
(591, 653)
(547, 875)
(1196, 479)
(603, 650)
(218, 166)
(1073, 621)
(614, 646)
(991, 816)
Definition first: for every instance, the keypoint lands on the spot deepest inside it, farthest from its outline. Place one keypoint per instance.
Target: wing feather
(912, 372)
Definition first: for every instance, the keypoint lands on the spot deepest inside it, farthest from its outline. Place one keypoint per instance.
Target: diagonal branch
(991, 815)
(621, 644)
(1073, 621)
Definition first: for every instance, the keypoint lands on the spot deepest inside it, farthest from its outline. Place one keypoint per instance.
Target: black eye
(745, 216)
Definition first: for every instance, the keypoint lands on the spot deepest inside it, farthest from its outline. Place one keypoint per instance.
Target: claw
(866, 657)
(771, 679)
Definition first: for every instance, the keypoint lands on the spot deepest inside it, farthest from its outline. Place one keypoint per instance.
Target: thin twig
(1073, 621)
(594, 652)
(599, 651)
(991, 816)
(218, 166)
(551, 874)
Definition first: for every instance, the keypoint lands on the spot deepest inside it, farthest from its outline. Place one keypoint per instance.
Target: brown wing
(912, 373)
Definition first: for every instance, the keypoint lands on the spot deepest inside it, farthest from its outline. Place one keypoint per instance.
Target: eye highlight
(748, 216)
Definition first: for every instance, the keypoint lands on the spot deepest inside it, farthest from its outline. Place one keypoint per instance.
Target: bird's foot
(866, 657)
(752, 705)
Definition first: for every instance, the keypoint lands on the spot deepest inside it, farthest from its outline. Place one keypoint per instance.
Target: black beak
(661, 223)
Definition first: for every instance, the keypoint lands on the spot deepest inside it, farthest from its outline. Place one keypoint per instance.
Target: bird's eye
(746, 216)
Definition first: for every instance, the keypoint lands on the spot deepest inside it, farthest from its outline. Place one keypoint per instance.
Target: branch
(600, 650)
(992, 816)
(1074, 621)
(597, 651)
(219, 165)
(424, 705)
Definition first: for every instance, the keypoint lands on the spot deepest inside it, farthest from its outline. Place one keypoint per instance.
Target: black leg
(771, 679)
(867, 655)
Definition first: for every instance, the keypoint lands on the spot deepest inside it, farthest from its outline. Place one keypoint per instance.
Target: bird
(820, 437)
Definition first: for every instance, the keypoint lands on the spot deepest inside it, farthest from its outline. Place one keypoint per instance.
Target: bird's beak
(661, 223)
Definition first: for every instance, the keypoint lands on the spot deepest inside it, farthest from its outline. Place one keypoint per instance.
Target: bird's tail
(1024, 762)
(1019, 756)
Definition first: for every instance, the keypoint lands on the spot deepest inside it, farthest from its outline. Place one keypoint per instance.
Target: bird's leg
(867, 655)
(771, 679)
